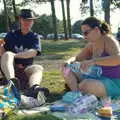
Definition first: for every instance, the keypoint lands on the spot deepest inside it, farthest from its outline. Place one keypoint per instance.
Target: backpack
(9, 96)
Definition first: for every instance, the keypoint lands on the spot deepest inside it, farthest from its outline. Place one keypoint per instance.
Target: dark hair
(94, 22)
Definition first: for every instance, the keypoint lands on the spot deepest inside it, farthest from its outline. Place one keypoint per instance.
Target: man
(118, 35)
(21, 46)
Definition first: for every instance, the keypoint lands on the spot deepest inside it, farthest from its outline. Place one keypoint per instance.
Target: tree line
(11, 9)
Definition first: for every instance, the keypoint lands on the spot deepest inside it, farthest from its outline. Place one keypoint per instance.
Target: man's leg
(34, 74)
(7, 66)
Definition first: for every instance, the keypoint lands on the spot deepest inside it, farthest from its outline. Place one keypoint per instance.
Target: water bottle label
(94, 71)
(75, 67)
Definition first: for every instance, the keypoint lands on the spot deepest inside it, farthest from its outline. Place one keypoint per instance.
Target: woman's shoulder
(110, 39)
(112, 45)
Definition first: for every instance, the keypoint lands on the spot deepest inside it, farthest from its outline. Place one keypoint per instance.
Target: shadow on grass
(61, 46)
(54, 96)
(58, 50)
(50, 57)
(43, 116)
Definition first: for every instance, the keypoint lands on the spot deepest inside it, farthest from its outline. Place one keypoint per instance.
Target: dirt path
(48, 62)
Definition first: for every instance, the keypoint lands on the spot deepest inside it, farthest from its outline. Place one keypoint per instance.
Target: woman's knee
(93, 87)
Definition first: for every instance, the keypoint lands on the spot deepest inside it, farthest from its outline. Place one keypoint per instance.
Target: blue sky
(75, 12)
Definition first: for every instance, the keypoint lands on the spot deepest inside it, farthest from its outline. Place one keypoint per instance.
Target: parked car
(61, 36)
(77, 36)
(2, 35)
(51, 36)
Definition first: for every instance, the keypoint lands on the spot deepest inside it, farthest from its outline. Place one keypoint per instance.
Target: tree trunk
(107, 11)
(91, 8)
(14, 10)
(64, 20)
(68, 17)
(6, 16)
(54, 19)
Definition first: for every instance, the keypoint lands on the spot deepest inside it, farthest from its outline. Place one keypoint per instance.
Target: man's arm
(27, 54)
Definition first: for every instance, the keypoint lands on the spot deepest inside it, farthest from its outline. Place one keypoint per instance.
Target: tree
(44, 25)
(6, 15)
(68, 17)
(116, 3)
(64, 19)
(91, 8)
(54, 19)
(2, 22)
(14, 10)
(106, 9)
(84, 7)
(76, 27)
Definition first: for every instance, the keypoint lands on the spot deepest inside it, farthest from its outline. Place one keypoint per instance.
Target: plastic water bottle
(75, 67)
(94, 71)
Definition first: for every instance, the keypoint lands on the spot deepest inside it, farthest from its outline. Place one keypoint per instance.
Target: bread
(105, 111)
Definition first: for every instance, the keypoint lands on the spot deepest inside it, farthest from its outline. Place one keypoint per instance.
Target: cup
(2, 42)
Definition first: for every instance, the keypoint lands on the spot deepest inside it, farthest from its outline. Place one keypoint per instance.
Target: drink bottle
(93, 71)
(75, 66)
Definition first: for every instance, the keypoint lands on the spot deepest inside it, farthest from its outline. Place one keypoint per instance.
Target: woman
(101, 48)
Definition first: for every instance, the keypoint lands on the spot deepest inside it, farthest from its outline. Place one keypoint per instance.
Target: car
(2, 35)
(77, 36)
(51, 36)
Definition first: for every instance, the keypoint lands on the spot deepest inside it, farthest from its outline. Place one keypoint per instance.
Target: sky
(74, 12)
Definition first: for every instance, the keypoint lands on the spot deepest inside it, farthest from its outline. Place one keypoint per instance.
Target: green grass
(53, 55)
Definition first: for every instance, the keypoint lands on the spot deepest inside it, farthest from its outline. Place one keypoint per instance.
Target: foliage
(116, 3)
(2, 22)
(76, 27)
(44, 25)
(26, 2)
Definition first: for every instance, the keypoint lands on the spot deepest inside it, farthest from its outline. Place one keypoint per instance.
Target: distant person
(21, 46)
(101, 46)
(118, 35)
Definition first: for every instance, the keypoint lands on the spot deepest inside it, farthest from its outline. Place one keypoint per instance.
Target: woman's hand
(86, 64)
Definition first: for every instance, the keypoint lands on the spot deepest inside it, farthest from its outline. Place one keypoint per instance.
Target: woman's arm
(108, 61)
(85, 54)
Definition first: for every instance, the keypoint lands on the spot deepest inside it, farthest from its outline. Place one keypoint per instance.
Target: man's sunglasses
(87, 31)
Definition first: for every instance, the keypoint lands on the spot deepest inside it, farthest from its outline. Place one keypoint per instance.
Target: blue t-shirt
(16, 42)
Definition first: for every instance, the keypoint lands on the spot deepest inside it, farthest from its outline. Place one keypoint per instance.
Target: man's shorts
(22, 77)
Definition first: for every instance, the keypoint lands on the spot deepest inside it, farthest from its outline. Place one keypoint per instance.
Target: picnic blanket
(74, 109)
(65, 115)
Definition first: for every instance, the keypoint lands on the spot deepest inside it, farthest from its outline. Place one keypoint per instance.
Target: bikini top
(110, 71)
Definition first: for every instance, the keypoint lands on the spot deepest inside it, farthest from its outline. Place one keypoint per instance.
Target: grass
(53, 55)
